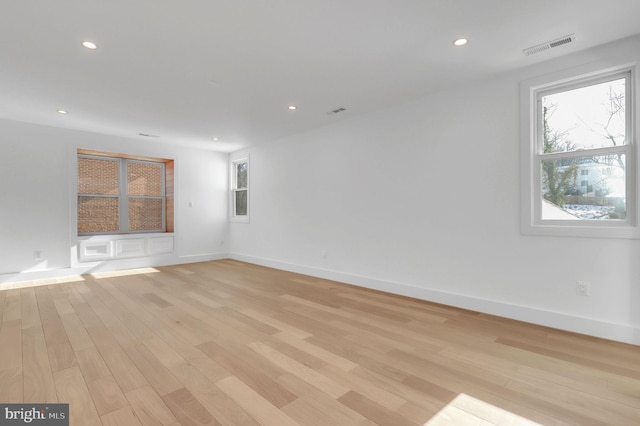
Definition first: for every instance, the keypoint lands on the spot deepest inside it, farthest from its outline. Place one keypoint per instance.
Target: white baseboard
(593, 327)
(203, 257)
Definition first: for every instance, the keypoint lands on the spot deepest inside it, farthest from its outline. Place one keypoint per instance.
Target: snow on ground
(589, 212)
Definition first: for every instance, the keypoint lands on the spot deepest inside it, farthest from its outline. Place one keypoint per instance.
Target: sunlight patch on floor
(124, 273)
(467, 410)
(39, 283)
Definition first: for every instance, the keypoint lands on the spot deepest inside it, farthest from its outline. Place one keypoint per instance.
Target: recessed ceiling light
(459, 42)
(62, 111)
(293, 107)
(90, 45)
(215, 139)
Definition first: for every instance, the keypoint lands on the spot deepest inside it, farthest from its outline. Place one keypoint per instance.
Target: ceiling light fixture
(215, 139)
(293, 107)
(459, 42)
(90, 45)
(62, 111)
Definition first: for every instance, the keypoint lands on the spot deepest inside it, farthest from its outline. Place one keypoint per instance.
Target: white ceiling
(157, 59)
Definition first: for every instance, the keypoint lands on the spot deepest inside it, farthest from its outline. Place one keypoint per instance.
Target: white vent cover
(550, 44)
(337, 110)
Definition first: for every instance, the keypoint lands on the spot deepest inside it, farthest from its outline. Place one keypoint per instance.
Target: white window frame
(123, 195)
(531, 128)
(233, 164)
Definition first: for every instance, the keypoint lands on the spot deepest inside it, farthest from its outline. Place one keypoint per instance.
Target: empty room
(357, 212)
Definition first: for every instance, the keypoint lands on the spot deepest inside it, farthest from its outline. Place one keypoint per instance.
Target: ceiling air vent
(550, 44)
(337, 110)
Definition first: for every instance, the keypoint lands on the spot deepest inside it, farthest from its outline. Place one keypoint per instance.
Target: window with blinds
(121, 195)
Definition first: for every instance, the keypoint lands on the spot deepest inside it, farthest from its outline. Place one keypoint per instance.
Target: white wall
(37, 181)
(423, 199)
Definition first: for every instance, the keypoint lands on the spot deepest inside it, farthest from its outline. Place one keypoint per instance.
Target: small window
(580, 165)
(122, 195)
(240, 190)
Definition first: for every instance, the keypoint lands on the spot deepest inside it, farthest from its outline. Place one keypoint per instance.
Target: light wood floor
(231, 343)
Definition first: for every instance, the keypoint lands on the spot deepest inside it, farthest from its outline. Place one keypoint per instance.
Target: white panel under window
(112, 247)
(130, 248)
(94, 250)
(160, 245)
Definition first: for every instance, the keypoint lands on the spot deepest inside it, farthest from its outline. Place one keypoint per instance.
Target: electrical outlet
(583, 288)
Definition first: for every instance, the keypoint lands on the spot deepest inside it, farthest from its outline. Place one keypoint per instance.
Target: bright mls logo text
(39, 414)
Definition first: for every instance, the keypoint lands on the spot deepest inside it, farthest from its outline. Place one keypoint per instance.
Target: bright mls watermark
(34, 414)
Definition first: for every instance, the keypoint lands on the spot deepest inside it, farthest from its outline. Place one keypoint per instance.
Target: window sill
(562, 229)
(239, 219)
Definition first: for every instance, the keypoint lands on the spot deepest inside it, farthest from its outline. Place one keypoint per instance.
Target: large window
(119, 195)
(579, 160)
(240, 190)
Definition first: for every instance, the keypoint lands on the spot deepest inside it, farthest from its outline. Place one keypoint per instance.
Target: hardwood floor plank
(12, 306)
(118, 362)
(187, 409)
(106, 395)
(92, 364)
(11, 344)
(253, 373)
(157, 300)
(282, 326)
(46, 307)
(223, 408)
(87, 315)
(374, 411)
(413, 396)
(61, 355)
(123, 416)
(300, 370)
(77, 334)
(3, 296)
(253, 403)
(11, 388)
(11, 368)
(454, 416)
(207, 366)
(165, 353)
(38, 378)
(314, 407)
(72, 390)
(225, 342)
(152, 369)
(632, 371)
(318, 352)
(381, 396)
(29, 308)
(149, 408)
(362, 356)
(60, 299)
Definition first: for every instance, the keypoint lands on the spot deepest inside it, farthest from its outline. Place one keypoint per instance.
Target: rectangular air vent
(337, 110)
(549, 45)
